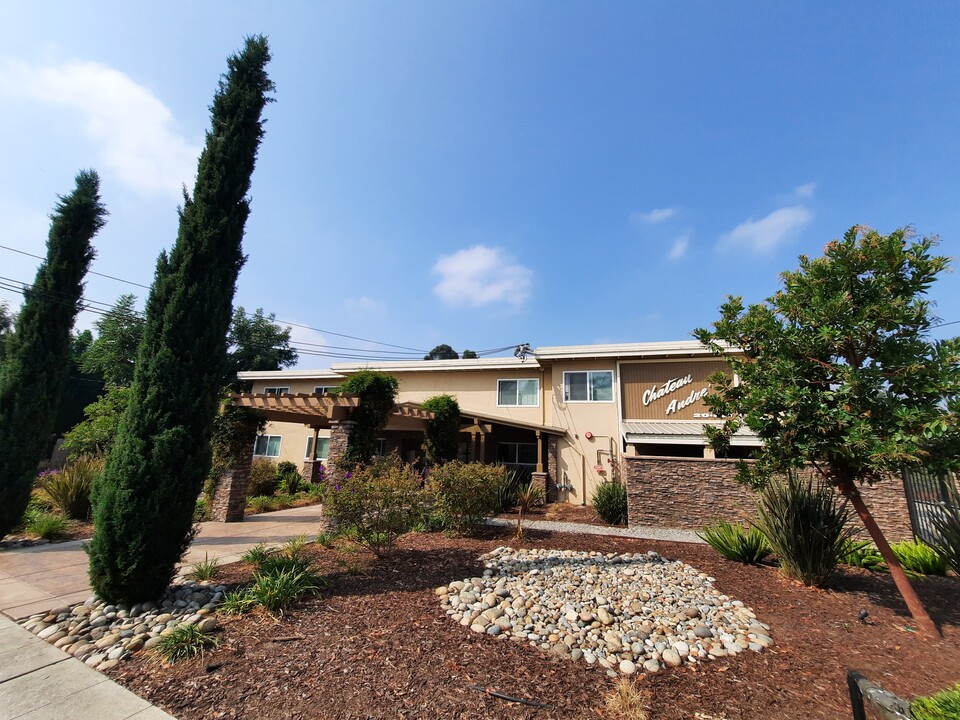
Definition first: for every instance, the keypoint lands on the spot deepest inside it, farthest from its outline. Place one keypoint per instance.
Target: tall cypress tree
(144, 503)
(38, 354)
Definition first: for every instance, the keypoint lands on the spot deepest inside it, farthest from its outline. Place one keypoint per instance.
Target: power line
(92, 272)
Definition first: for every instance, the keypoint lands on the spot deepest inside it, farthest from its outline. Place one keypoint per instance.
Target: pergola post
(313, 468)
(340, 431)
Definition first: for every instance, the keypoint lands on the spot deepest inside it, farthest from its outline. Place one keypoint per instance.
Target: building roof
(499, 363)
(677, 432)
(682, 348)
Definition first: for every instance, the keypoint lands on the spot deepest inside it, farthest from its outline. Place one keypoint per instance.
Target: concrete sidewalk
(638, 532)
(51, 576)
(38, 682)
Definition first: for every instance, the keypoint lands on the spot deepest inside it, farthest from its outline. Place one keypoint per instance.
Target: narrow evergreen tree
(38, 353)
(144, 503)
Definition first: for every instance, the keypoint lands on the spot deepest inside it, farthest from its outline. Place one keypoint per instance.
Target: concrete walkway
(641, 533)
(38, 681)
(51, 576)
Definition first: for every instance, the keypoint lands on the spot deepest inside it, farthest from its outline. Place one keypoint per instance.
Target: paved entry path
(50, 576)
(38, 681)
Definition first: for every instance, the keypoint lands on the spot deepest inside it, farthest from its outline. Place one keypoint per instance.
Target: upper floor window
(525, 393)
(267, 446)
(322, 389)
(276, 390)
(588, 386)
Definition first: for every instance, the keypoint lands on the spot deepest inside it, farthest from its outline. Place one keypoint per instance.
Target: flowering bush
(376, 503)
(465, 493)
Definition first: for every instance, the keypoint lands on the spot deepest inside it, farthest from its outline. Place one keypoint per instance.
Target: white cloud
(766, 233)
(679, 248)
(481, 275)
(805, 191)
(652, 217)
(134, 131)
(364, 304)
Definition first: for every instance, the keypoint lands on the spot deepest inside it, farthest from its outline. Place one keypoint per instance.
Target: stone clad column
(230, 498)
(340, 431)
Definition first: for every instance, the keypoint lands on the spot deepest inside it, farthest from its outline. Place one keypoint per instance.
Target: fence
(928, 497)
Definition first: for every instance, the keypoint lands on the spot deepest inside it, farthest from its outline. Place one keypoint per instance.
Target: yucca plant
(862, 554)
(185, 642)
(69, 489)
(610, 502)
(808, 528)
(918, 558)
(528, 497)
(735, 542)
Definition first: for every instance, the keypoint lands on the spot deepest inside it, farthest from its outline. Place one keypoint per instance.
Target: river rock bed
(103, 635)
(627, 612)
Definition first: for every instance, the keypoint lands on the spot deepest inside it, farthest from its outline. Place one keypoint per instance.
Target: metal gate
(928, 497)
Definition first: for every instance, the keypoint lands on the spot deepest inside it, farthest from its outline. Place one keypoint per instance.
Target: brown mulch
(560, 512)
(377, 645)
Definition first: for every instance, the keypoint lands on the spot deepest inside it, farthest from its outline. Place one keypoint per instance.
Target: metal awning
(678, 432)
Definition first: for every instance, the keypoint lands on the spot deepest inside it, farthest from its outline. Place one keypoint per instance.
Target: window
(323, 447)
(322, 389)
(381, 446)
(525, 393)
(267, 446)
(276, 390)
(511, 453)
(590, 386)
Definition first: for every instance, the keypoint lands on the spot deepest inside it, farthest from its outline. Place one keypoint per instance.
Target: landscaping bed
(560, 512)
(377, 644)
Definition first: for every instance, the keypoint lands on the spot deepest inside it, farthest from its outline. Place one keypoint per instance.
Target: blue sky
(485, 174)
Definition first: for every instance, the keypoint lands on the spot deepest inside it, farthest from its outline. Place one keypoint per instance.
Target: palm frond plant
(528, 497)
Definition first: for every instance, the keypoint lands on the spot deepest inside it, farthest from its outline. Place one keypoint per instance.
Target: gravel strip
(642, 533)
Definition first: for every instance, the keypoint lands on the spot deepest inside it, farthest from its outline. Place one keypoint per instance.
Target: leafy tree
(257, 343)
(101, 423)
(838, 371)
(37, 356)
(469, 355)
(377, 392)
(144, 501)
(6, 327)
(442, 437)
(113, 354)
(442, 352)
(80, 389)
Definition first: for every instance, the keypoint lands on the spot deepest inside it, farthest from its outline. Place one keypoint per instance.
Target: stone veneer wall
(230, 497)
(340, 431)
(688, 493)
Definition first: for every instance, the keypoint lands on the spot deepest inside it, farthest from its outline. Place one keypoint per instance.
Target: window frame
(325, 388)
(276, 390)
(588, 373)
(518, 381)
(516, 453)
(308, 448)
(267, 441)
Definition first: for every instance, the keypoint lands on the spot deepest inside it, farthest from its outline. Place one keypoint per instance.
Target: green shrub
(442, 435)
(514, 478)
(610, 502)
(377, 502)
(466, 493)
(255, 555)
(46, 526)
(201, 512)
(918, 558)
(278, 589)
(808, 528)
(206, 569)
(325, 538)
(947, 524)
(263, 478)
(945, 705)
(529, 496)
(735, 542)
(861, 554)
(237, 602)
(289, 478)
(69, 489)
(185, 642)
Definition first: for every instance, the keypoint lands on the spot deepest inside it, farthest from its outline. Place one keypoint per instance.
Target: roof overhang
(678, 432)
(391, 366)
(467, 415)
(625, 351)
(324, 374)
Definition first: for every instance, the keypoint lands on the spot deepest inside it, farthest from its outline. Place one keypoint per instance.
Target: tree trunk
(850, 491)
